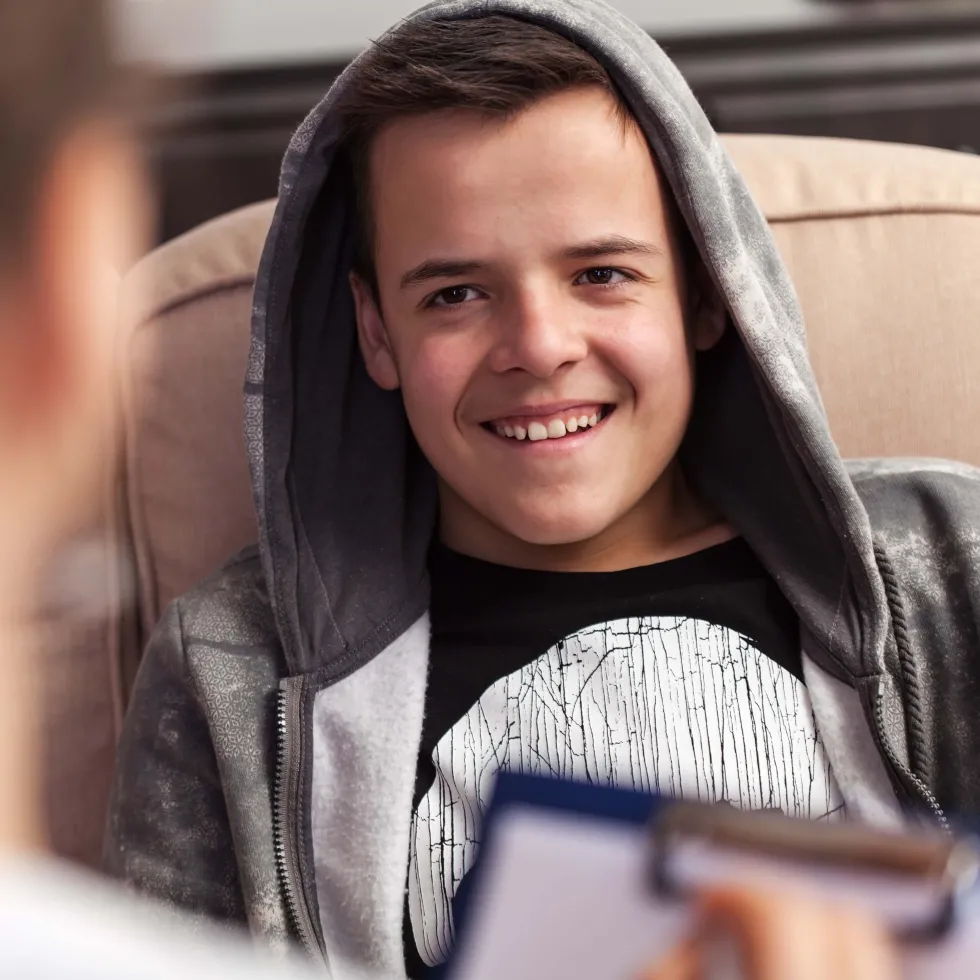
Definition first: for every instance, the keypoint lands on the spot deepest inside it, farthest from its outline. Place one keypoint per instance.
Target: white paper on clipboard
(569, 896)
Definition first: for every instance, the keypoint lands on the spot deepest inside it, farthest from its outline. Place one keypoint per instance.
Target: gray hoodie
(267, 766)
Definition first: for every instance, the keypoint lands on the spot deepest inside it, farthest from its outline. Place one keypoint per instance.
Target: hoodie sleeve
(925, 515)
(169, 835)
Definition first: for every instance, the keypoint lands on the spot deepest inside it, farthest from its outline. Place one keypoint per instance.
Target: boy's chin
(554, 531)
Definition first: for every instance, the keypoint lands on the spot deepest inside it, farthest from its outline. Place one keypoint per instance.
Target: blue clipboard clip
(949, 864)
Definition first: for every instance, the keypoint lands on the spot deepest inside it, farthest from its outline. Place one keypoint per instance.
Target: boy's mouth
(557, 425)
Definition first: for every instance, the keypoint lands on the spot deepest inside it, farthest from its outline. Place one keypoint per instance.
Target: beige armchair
(883, 243)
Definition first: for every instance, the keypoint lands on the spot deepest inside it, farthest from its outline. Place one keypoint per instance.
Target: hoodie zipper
(285, 829)
(923, 790)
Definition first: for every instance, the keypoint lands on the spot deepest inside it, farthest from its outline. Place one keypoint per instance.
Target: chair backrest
(882, 243)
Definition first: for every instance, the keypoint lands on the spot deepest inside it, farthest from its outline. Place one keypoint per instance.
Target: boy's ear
(373, 337)
(709, 315)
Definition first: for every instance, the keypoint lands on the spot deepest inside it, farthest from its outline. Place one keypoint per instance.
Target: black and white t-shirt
(683, 678)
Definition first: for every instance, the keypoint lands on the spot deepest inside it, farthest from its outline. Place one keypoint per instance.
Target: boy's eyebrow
(439, 269)
(454, 268)
(611, 245)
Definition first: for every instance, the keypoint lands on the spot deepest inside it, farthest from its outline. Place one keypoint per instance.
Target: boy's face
(530, 285)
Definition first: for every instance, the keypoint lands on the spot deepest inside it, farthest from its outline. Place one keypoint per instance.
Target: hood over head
(347, 504)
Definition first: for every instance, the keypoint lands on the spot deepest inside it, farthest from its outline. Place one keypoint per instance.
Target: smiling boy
(539, 325)
(544, 483)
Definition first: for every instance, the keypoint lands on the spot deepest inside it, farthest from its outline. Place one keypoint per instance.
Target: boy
(543, 482)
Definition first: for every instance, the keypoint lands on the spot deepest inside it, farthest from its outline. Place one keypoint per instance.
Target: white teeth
(555, 429)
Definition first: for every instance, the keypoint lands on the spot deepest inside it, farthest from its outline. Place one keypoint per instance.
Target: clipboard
(582, 881)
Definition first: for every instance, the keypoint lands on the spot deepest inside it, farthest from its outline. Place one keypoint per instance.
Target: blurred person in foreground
(73, 215)
(74, 212)
(72, 208)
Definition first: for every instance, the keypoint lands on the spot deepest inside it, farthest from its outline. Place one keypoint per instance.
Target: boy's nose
(539, 339)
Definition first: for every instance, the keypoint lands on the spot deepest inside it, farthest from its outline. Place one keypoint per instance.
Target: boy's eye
(605, 276)
(453, 296)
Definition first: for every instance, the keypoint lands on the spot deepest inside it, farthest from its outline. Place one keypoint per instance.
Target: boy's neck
(670, 522)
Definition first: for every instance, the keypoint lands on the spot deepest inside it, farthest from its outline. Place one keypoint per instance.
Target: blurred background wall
(210, 33)
(241, 74)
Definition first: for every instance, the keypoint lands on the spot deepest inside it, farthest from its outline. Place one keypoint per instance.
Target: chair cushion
(189, 494)
(881, 241)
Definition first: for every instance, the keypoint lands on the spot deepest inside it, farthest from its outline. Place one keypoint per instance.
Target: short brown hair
(56, 68)
(495, 65)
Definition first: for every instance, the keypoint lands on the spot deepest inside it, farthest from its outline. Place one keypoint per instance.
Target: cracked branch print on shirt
(675, 706)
